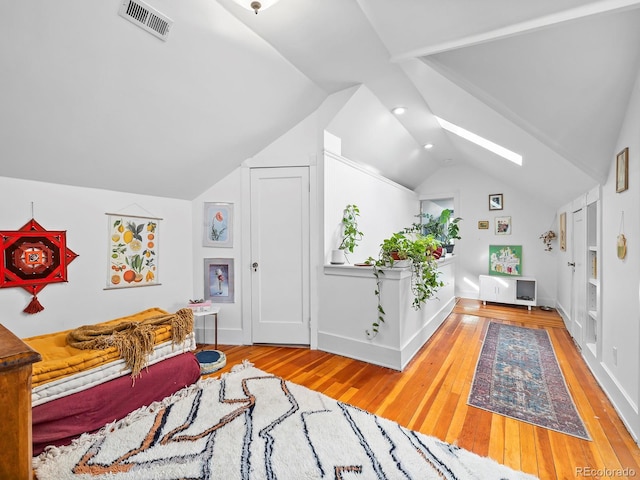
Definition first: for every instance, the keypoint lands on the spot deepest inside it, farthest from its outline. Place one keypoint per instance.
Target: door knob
(255, 266)
(571, 264)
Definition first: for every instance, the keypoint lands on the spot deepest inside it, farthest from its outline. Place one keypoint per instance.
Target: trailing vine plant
(350, 233)
(419, 250)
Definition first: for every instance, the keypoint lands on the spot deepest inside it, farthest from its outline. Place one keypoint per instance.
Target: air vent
(146, 17)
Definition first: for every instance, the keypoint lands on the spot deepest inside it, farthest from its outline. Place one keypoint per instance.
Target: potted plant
(350, 234)
(442, 227)
(416, 251)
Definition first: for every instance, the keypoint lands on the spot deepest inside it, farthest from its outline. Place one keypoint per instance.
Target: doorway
(280, 255)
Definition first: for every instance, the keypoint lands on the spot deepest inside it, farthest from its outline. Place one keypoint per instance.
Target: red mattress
(59, 421)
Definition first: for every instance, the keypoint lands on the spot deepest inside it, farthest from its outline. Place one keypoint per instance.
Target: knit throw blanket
(134, 340)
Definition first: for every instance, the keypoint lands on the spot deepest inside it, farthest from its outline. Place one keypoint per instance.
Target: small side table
(213, 311)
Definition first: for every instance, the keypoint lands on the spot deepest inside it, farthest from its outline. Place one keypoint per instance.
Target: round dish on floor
(211, 361)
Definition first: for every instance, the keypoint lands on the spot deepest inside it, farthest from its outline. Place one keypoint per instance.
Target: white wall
(530, 218)
(81, 212)
(621, 278)
(385, 207)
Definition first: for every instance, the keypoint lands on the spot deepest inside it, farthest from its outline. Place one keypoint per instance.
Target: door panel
(280, 254)
(579, 298)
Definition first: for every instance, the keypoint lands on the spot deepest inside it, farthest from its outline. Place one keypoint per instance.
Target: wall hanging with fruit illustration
(33, 257)
(133, 251)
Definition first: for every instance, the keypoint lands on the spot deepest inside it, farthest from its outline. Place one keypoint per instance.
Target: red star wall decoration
(33, 257)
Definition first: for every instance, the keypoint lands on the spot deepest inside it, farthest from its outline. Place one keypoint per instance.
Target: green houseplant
(351, 235)
(416, 251)
(442, 227)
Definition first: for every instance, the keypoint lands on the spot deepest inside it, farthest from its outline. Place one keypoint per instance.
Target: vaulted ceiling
(90, 99)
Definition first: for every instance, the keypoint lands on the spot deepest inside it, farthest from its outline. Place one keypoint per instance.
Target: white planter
(337, 257)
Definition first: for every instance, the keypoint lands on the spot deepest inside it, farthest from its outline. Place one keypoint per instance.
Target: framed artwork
(218, 224)
(483, 225)
(563, 231)
(622, 170)
(133, 251)
(505, 260)
(503, 225)
(495, 201)
(32, 258)
(218, 280)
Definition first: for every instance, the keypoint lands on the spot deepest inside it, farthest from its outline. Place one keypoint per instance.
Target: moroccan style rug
(518, 376)
(252, 425)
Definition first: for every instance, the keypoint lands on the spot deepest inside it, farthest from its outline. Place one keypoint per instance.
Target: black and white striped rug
(252, 425)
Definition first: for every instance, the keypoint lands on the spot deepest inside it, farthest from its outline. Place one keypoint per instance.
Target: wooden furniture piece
(16, 358)
(513, 290)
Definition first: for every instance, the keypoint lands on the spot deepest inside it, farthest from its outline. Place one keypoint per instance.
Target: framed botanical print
(622, 170)
(133, 251)
(218, 224)
(495, 201)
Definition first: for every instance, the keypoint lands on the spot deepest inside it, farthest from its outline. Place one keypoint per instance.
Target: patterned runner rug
(252, 425)
(518, 376)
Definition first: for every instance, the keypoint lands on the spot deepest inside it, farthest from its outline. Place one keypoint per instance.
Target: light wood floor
(430, 395)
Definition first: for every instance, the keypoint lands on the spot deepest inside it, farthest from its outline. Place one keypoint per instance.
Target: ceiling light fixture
(255, 5)
(483, 142)
(428, 146)
(398, 110)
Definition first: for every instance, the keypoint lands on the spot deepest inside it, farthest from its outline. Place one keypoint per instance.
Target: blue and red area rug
(518, 376)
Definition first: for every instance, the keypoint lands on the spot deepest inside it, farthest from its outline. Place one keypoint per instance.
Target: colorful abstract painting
(505, 260)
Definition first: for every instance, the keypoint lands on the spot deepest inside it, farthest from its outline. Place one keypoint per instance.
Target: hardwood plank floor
(430, 395)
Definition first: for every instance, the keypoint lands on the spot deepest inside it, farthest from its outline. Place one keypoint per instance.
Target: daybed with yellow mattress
(97, 374)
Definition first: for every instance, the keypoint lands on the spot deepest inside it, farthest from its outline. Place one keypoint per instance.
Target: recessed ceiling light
(428, 146)
(483, 142)
(398, 110)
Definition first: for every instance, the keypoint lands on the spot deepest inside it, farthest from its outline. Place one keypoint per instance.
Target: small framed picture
(218, 224)
(218, 280)
(563, 231)
(503, 225)
(483, 224)
(622, 170)
(495, 201)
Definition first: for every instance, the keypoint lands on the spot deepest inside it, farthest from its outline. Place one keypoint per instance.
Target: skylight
(483, 142)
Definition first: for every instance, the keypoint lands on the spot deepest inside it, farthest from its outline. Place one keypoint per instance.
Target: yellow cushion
(61, 360)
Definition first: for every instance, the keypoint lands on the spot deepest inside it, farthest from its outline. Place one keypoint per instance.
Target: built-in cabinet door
(578, 304)
(496, 289)
(280, 254)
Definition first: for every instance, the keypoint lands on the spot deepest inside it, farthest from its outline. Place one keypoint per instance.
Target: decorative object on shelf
(133, 251)
(503, 225)
(219, 280)
(496, 201)
(350, 234)
(200, 305)
(483, 224)
(33, 258)
(547, 237)
(622, 170)
(505, 260)
(563, 231)
(218, 224)
(419, 252)
(621, 243)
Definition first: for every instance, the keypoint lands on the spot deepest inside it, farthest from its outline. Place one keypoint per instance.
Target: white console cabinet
(514, 290)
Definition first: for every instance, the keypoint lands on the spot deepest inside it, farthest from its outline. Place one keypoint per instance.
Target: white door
(280, 308)
(579, 298)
